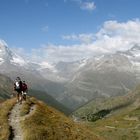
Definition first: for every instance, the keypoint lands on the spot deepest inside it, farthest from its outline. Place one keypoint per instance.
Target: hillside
(38, 121)
(43, 96)
(112, 104)
(116, 118)
(6, 86)
(74, 83)
(108, 75)
(6, 91)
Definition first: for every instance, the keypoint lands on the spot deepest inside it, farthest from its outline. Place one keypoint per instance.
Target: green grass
(45, 97)
(120, 126)
(5, 107)
(122, 123)
(48, 123)
(111, 104)
(6, 86)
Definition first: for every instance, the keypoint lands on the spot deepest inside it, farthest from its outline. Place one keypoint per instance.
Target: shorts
(18, 91)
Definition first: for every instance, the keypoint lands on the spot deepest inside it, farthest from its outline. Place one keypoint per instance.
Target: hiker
(24, 90)
(18, 89)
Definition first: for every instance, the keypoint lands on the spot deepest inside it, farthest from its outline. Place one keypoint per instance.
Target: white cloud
(56, 53)
(118, 36)
(88, 5)
(113, 36)
(45, 28)
(84, 38)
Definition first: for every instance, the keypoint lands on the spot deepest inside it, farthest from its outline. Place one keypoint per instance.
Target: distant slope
(107, 76)
(113, 103)
(116, 118)
(49, 100)
(6, 87)
(121, 125)
(43, 123)
(48, 123)
(6, 91)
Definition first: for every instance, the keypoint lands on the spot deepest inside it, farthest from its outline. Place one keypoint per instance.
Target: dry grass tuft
(5, 107)
(48, 123)
(26, 106)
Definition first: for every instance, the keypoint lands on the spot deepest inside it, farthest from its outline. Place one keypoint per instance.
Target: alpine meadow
(69, 70)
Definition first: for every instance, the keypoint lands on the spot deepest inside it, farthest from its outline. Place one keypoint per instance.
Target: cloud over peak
(113, 36)
(83, 38)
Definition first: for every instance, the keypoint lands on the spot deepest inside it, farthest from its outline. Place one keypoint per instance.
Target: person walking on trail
(24, 90)
(18, 89)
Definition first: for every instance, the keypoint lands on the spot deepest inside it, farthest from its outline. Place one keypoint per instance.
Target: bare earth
(14, 121)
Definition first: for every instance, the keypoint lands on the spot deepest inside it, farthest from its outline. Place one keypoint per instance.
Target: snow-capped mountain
(134, 52)
(13, 65)
(104, 76)
(7, 56)
(75, 83)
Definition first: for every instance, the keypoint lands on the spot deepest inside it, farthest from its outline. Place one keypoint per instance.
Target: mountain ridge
(116, 118)
(7, 91)
(75, 83)
(43, 122)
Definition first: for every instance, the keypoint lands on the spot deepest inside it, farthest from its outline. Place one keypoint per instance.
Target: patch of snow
(2, 43)
(46, 65)
(136, 63)
(18, 60)
(83, 63)
(137, 55)
(99, 58)
(1, 61)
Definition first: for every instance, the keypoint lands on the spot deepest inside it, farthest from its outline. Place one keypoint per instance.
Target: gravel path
(14, 122)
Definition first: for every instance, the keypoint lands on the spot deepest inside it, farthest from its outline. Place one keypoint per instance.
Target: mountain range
(78, 82)
(105, 76)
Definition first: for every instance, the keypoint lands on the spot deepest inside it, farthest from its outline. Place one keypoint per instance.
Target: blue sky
(29, 24)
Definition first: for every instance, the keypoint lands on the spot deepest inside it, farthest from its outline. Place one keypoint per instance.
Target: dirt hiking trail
(14, 121)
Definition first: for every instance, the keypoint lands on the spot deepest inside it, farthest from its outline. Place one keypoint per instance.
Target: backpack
(24, 87)
(17, 85)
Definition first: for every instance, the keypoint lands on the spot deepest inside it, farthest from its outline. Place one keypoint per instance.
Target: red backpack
(24, 87)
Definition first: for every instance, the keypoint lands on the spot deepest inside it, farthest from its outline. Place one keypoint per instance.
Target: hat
(18, 78)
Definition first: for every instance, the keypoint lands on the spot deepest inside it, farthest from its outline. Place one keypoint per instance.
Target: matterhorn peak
(3, 46)
(7, 56)
(3, 43)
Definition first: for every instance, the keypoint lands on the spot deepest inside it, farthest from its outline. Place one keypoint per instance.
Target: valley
(97, 92)
(116, 118)
(75, 83)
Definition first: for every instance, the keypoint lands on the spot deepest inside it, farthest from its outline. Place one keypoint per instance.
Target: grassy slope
(114, 103)
(124, 121)
(49, 100)
(6, 87)
(6, 90)
(5, 107)
(48, 123)
(124, 125)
